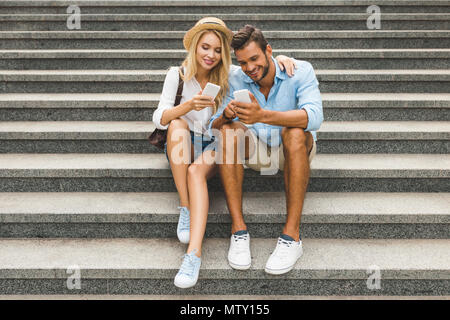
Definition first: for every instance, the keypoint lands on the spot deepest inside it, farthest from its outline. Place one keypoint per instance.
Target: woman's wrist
(190, 104)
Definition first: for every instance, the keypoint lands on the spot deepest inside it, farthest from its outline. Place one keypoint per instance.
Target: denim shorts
(200, 143)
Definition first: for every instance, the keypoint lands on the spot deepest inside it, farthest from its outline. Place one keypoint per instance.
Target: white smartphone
(243, 96)
(211, 90)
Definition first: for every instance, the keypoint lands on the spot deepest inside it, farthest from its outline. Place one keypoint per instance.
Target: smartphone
(211, 90)
(243, 96)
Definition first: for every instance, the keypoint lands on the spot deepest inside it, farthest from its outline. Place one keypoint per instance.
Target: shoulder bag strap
(180, 89)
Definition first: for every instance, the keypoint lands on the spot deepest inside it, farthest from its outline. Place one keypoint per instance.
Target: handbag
(159, 137)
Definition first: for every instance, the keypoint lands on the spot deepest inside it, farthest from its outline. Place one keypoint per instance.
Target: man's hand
(248, 113)
(229, 113)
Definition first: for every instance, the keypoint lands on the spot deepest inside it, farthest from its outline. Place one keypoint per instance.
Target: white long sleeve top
(167, 101)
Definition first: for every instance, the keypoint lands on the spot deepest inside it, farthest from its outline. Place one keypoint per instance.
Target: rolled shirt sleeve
(232, 77)
(308, 95)
(167, 98)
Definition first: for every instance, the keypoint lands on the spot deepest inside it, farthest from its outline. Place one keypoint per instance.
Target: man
(278, 127)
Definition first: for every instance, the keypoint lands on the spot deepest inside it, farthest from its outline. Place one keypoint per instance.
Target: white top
(190, 88)
(167, 101)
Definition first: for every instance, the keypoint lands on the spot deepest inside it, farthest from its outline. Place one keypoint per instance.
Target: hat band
(211, 22)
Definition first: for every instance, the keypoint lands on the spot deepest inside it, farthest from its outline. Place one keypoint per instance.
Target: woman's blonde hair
(219, 74)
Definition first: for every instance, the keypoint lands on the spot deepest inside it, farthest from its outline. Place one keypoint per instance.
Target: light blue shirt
(301, 91)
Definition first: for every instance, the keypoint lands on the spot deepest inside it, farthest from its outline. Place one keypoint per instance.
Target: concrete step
(155, 215)
(164, 58)
(150, 173)
(348, 39)
(234, 21)
(79, 106)
(151, 81)
(385, 106)
(217, 6)
(148, 266)
(136, 107)
(131, 137)
(383, 137)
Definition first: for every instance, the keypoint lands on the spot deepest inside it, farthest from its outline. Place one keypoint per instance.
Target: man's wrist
(264, 116)
(225, 117)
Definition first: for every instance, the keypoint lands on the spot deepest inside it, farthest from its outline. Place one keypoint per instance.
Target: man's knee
(232, 126)
(232, 134)
(295, 138)
(234, 143)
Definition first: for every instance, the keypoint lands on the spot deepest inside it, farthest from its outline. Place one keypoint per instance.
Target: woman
(208, 60)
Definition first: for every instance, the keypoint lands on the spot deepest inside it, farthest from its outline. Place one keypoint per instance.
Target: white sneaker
(284, 257)
(239, 256)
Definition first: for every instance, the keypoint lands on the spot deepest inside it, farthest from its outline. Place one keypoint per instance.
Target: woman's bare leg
(178, 133)
(199, 172)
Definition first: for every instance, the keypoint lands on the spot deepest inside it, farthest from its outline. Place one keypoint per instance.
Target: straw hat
(207, 24)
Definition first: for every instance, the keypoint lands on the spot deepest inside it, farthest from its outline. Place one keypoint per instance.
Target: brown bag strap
(180, 89)
(159, 137)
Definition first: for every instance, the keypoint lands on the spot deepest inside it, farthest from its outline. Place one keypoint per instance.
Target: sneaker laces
(283, 248)
(188, 265)
(240, 242)
(184, 218)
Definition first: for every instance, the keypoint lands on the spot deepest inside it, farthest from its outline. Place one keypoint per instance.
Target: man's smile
(254, 73)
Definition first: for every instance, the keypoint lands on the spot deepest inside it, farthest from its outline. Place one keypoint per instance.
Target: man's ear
(269, 50)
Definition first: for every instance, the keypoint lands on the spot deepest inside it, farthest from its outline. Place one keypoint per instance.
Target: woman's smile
(208, 61)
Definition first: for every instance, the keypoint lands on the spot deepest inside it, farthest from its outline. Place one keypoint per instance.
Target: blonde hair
(219, 74)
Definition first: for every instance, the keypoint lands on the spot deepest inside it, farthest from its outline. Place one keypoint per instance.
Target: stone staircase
(81, 188)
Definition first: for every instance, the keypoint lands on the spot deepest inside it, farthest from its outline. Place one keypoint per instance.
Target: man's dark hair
(246, 35)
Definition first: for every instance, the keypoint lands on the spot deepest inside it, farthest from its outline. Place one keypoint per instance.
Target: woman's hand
(286, 63)
(199, 102)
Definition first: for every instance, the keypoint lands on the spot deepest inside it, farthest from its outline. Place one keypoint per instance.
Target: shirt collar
(278, 73)
(247, 79)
